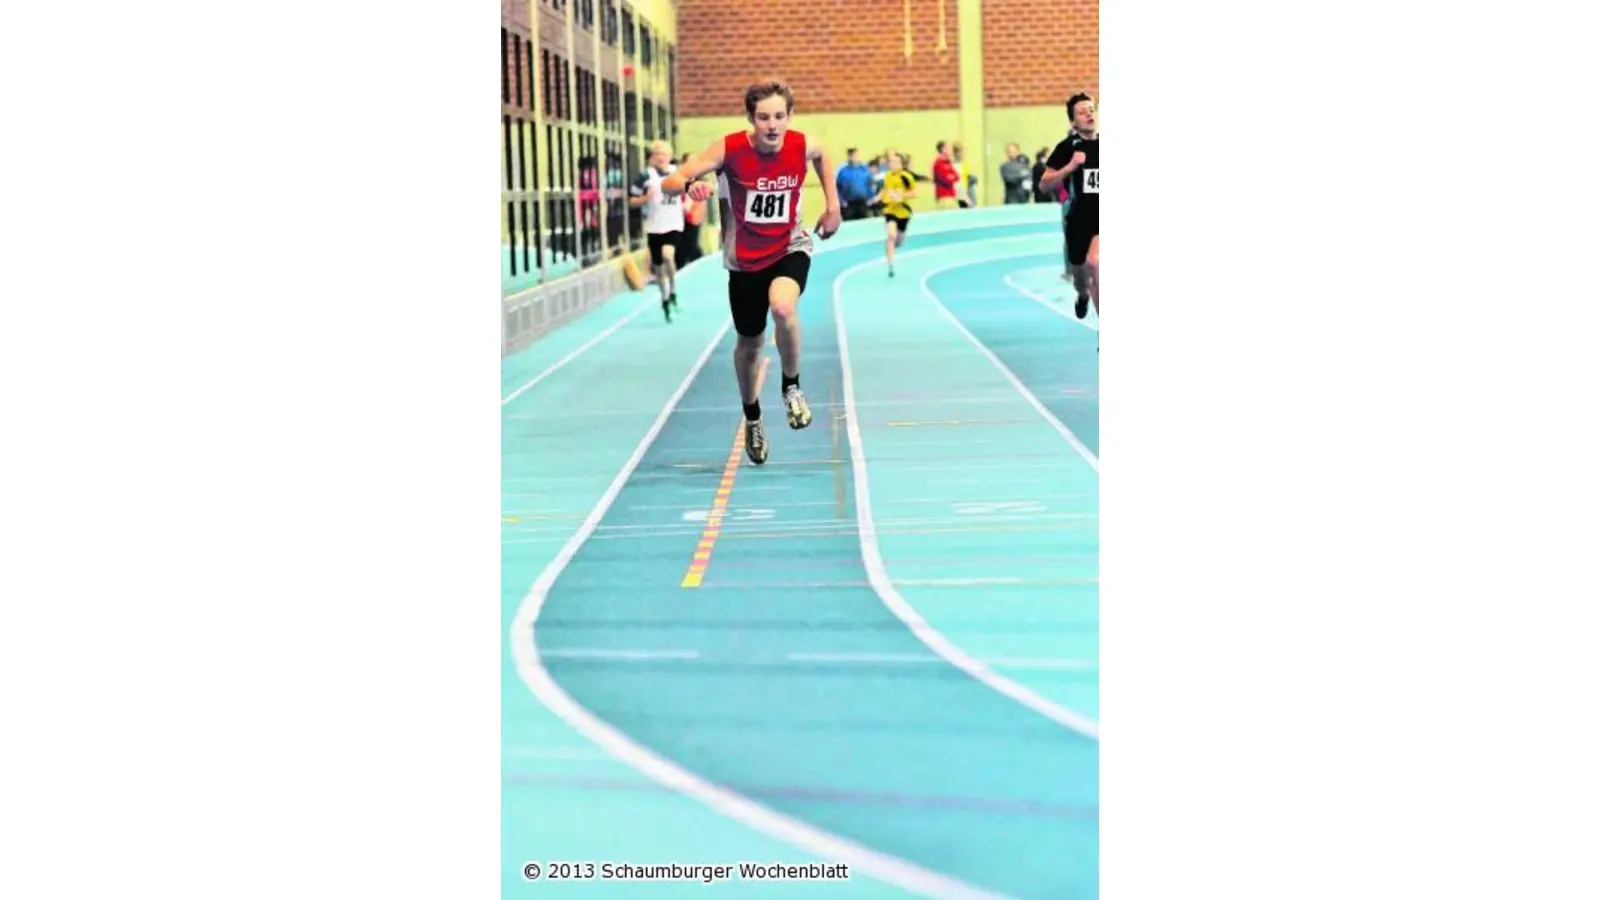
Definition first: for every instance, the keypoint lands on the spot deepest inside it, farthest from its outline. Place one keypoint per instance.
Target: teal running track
(891, 660)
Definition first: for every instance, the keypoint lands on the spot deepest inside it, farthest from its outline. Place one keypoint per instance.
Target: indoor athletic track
(879, 648)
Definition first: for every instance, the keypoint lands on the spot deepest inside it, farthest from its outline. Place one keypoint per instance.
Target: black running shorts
(665, 239)
(748, 292)
(1081, 231)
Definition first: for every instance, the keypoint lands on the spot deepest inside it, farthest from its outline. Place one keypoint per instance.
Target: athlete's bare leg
(1082, 282)
(784, 298)
(749, 367)
(1066, 253)
(1081, 278)
(667, 272)
(891, 235)
(1094, 273)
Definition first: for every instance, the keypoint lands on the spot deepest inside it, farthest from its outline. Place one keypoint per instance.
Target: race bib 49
(1091, 181)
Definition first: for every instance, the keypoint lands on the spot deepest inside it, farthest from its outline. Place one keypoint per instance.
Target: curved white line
(1051, 268)
(878, 575)
(1044, 301)
(1083, 451)
(587, 345)
(525, 653)
(648, 303)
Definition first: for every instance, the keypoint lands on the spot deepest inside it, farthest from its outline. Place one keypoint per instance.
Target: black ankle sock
(790, 382)
(752, 411)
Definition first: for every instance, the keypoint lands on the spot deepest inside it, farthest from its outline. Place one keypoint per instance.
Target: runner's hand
(828, 224)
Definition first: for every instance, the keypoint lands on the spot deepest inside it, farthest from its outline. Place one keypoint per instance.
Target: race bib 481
(767, 207)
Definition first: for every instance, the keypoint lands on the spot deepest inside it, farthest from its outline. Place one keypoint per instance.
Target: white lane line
(955, 582)
(879, 576)
(763, 520)
(898, 502)
(814, 534)
(1044, 663)
(608, 653)
(716, 457)
(959, 466)
(525, 653)
(1047, 303)
(564, 418)
(513, 532)
(1083, 451)
(523, 751)
(582, 349)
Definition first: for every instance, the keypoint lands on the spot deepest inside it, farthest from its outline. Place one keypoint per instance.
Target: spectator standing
(855, 186)
(945, 178)
(1016, 177)
(1040, 195)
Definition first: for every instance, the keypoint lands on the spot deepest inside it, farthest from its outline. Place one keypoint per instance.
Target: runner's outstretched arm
(829, 223)
(708, 160)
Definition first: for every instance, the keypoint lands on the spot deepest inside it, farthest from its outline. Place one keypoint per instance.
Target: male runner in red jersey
(765, 246)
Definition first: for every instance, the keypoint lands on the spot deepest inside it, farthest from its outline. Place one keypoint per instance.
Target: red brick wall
(838, 55)
(1037, 53)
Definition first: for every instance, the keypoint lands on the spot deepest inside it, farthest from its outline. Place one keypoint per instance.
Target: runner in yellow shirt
(898, 188)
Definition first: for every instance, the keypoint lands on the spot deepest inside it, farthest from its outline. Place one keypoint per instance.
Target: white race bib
(1091, 181)
(767, 207)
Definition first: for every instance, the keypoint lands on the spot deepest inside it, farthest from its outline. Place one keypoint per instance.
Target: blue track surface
(786, 677)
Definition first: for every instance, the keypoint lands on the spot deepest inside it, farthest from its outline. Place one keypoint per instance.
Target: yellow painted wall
(661, 14)
(969, 17)
(1031, 126)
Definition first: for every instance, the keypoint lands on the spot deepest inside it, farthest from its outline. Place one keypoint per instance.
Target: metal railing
(531, 314)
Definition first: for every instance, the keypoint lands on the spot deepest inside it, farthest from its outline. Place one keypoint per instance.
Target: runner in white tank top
(663, 222)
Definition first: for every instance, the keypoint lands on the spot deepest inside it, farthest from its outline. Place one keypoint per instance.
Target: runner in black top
(1076, 162)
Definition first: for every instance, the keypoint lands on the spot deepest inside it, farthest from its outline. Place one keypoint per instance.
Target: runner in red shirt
(945, 177)
(765, 246)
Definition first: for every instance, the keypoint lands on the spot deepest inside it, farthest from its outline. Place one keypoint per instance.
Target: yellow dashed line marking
(719, 508)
